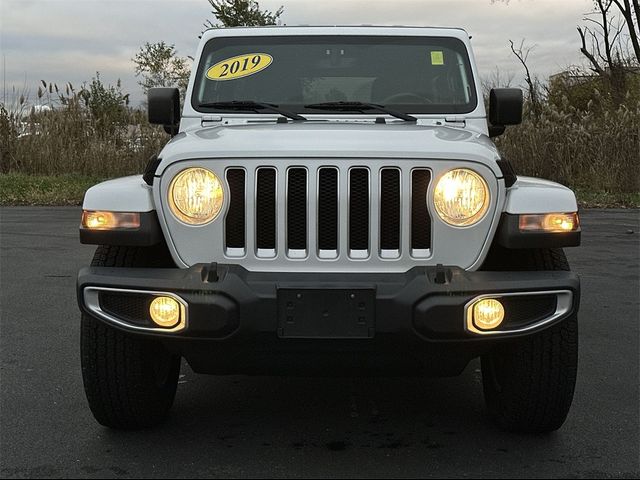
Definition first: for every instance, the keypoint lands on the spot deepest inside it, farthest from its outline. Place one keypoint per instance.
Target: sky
(70, 40)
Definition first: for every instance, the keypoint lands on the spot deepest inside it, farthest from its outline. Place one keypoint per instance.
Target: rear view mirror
(164, 108)
(505, 108)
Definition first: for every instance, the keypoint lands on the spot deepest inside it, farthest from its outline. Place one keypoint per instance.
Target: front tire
(130, 382)
(529, 383)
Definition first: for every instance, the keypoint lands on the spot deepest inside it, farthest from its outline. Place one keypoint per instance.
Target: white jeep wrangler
(331, 203)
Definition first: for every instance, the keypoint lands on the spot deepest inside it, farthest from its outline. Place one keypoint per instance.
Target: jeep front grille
(329, 212)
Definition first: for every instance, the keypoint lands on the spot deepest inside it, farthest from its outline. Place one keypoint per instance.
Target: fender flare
(127, 194)
(535, 195)
(530, 195)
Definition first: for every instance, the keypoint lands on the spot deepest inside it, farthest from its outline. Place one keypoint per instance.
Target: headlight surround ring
(461, 197)
(196, 196)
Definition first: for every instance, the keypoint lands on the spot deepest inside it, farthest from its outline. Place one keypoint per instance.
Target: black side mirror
(505, 108)
(164, 108)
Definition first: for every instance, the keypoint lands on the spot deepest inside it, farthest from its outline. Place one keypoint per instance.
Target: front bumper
(267, 323)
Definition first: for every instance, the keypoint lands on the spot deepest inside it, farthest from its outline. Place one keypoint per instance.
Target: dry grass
(92, 133)
(24, 189)
(586, 150)
(80, 133)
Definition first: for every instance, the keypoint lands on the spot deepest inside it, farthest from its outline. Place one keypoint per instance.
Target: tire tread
(529, 383)
(117, 368)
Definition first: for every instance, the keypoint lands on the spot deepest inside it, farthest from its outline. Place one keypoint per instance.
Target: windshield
(410, 74)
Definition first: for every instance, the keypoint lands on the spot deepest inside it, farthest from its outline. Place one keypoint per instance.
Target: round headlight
(461, 197)
(196, 196)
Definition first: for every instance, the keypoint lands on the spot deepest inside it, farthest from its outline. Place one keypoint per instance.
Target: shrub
(90, 132)
(597, 149)
(580, 140)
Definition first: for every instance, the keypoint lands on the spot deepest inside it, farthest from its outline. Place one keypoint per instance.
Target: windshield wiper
(361, 107)
(250, 105)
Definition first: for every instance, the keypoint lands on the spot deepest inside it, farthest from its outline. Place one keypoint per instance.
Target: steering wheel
(405, 95)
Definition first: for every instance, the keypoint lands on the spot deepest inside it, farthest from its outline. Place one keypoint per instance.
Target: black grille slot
(359, 209)
(390, 209)
(328, 209)
(130, 307)
(235, 221)
(523, 310)
(420, 220)
(297, 209)
(266, 208)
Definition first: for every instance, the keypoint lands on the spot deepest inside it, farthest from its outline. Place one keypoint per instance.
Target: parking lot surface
(306, 427)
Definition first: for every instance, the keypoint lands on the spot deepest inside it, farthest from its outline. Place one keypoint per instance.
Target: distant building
(570, 78)
(574, 77)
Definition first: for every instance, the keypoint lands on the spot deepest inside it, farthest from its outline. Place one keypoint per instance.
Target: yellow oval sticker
(239, 66)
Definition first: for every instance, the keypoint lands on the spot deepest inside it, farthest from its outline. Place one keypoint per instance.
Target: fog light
(488, 314)
(165, 311)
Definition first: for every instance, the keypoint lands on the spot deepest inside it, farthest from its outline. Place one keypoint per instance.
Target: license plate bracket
(326, 313)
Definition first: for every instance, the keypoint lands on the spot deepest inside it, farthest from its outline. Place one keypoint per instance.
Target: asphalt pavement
(306, 427)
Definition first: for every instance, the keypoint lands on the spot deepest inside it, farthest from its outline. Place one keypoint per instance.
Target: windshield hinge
(461, 120)
(210, 119)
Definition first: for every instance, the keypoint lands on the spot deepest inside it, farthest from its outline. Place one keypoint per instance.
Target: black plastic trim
(510, 236)
(149, 233)
(505, 106)
(496, 130)
(150, 169)
(247, 302)
(418, 327)
(163, 108)
(508, 172)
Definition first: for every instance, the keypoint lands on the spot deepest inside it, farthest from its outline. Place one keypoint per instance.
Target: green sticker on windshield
(437, 58)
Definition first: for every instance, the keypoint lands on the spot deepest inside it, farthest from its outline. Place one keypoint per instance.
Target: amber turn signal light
(550, 222)
(98, 220)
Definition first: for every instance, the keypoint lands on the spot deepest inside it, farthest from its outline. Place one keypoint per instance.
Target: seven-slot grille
(328, 212)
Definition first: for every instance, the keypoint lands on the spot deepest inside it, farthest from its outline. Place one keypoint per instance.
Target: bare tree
(603, 37)
(633, 25)
(610, 29)
(602, 43)
(533, 85)
(496, 79)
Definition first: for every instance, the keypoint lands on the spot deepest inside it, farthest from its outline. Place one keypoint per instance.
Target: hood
(331, 140)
